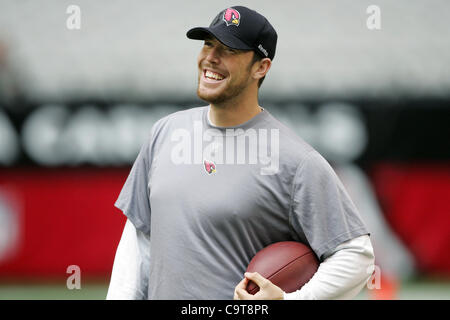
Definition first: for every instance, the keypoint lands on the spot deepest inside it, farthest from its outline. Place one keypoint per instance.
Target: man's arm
(129, 278)
(341, 275)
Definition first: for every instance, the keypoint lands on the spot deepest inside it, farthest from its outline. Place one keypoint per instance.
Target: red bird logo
(231, 17)
(210, 167)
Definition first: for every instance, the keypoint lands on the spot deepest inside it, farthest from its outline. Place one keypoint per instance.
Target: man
(216, 184)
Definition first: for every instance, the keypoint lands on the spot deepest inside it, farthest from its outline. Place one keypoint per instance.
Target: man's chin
(211, 98)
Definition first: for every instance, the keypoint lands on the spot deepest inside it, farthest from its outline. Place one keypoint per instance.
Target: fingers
(256, 278)
(268, 290)
(242, 285)
(242, 294)
(240, 291)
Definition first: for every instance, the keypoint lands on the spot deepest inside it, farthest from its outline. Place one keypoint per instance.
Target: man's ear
(261, 68)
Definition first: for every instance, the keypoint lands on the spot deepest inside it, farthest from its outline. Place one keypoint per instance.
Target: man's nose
(213, 56)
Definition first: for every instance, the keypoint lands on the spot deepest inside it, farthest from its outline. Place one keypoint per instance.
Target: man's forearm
(342, 275)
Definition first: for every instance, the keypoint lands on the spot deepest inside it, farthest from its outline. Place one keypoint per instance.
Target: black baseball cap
(240, 28)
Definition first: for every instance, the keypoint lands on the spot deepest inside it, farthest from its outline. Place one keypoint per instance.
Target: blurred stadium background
(75, 106)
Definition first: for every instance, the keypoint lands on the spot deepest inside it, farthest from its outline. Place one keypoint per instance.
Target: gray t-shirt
(212, 197)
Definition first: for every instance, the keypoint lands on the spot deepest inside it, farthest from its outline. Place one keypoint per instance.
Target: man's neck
(234, 113)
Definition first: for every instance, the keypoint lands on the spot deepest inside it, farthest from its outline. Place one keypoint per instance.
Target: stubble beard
(229, 93)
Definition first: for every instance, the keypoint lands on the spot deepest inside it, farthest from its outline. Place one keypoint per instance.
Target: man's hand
(267, 290)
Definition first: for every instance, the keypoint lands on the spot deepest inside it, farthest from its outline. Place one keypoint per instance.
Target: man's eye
(208, 43)
(231, 50)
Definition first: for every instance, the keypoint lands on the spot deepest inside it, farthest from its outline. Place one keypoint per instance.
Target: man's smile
(212, 76)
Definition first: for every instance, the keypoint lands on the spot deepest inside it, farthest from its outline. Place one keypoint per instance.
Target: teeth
(213, 75)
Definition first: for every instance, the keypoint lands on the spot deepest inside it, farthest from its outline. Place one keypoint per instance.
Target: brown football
(287, 264)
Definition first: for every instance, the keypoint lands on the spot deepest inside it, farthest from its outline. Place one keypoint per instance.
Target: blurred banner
(416, 202)
(54, 218)
(63, 165)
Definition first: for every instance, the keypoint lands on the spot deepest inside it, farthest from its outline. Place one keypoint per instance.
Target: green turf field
(53, 291)
(419, 289)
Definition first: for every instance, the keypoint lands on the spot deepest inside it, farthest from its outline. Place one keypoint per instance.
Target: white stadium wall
(138, 50)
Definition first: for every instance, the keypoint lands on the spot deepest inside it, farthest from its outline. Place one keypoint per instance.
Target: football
(287, 264)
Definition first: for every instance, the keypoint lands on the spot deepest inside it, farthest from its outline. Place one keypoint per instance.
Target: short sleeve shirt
(211, 197)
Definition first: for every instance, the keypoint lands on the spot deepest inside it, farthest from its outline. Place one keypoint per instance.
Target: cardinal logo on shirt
(232, 17)
(210, 166)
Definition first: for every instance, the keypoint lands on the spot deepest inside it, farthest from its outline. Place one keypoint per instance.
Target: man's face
(223, 73)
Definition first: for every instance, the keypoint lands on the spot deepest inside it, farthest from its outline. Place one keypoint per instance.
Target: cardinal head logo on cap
(231, 17)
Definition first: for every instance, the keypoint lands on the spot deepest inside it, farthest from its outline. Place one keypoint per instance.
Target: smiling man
(226, 82)
(193, 226)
